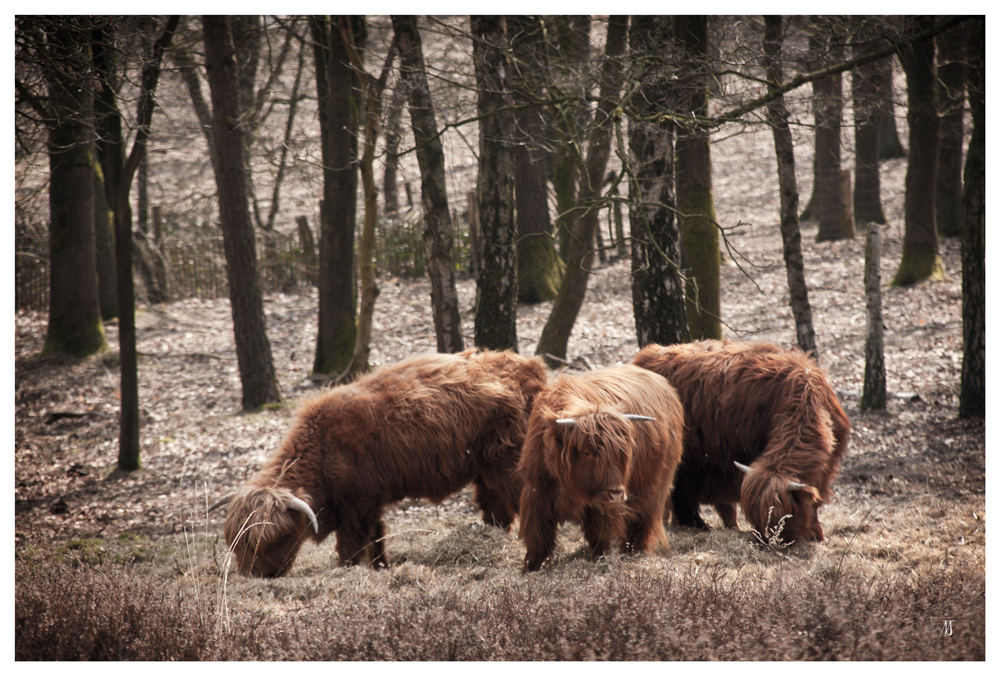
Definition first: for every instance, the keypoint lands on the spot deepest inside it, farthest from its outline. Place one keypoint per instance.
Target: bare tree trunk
(951, 77)
(105, 245)
(920, 258)
(496, 284)
(393, 137)
(873, 396)
(338, 122)
(539, 268)
(695, 200)
(657, 286)
(867, 112)
(791, 234)
(438, 233)
(834, 222)
(74, 303)
(889, 145)
(972, 397)
(580, 254)
(253, 349)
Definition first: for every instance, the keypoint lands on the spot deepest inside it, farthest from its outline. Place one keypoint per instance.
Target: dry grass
(455, 592)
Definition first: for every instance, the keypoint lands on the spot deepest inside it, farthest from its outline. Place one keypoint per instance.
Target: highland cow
(422, 428)
(600, 451)
(764, 429)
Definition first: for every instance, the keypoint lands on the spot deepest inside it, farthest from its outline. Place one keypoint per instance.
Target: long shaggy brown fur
(609, 474)
(422, 428)
(761, 406)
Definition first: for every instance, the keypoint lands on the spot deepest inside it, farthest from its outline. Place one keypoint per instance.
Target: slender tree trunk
(951, 77)
(920, 259)
(438, 234)
(496, 287)
(791, 234)
(372, 90)
(695, 200)
(972, 397)
(105, 245)
(580, 254)
(253, 349)
(539, 268)
(74, 306)
(657, 286)
(339, 105)
(393, 137)
(873, 396)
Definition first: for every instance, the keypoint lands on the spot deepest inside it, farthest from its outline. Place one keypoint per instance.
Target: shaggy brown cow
(772, 411)
(600, 451)
(422, 428)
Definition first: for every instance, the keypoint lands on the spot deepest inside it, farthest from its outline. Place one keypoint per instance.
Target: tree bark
(951, 77)
(496, 287)
(372, 90)
(791, 234)
(580, 254)
(657, 286)
(438, 232)
(920, 258)
(972, 397)
(874, 395)
(104, 239)
(253, 349)
(74, 306)
(867, 113)
(339, 105)
(695, 201)
(889, 145)
(834, 222)
(539, 268)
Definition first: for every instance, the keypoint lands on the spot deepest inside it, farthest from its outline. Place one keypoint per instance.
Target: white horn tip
(635, 416)
(566, 421)
(742, 467)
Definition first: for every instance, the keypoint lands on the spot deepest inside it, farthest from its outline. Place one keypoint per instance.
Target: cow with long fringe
(764, 430)
(600, 451)
(422, 428)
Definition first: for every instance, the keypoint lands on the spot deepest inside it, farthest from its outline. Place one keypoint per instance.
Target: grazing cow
(764, 429)
(600, 451)
(422, 428)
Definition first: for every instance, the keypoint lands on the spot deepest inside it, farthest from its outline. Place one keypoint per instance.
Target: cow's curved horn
(568, 422)
(635, 416)
(300, 505)
(224, 500)
(796, 485)
(742, 467)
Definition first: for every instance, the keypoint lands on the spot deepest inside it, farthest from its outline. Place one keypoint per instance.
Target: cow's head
(767, 497)
(590, 450)
(264, 529)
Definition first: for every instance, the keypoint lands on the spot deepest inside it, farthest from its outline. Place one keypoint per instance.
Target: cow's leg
(359, 538)
(643, 533)
(376, 546)
(685, 507)
(599, 530)
(727, 512)
(537, 527)
(496, 510)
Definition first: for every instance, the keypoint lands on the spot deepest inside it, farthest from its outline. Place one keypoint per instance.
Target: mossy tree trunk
(889, 145)
(658, 303)
(972, 396)
(867, 113)
(438, 232)
(539, 267)
(253, 349)
(339, 106)
(791, 234)
(920, 260)
(695, 200)
(496, 284)
(580, 253)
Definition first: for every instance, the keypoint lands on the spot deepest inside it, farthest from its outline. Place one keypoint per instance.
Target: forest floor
(906, 530)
